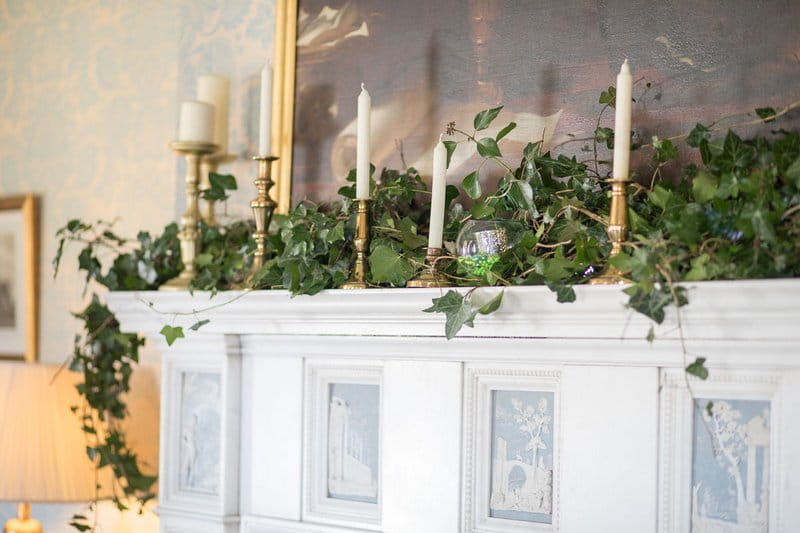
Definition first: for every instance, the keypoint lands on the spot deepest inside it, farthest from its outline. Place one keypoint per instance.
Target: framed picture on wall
(343, 444)
(18, 277)
(426, 64)
(511, 454)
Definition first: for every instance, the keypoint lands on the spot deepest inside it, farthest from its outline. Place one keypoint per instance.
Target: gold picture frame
(284, 61)
(19, 278)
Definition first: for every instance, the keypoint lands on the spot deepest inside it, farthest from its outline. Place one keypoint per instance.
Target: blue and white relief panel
(730, 466)
(522, 456)
(200, 432)
(353, 442)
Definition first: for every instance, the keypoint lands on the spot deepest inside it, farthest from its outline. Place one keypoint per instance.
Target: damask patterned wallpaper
(89, 93)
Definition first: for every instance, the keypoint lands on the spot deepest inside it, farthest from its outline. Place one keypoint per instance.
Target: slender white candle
(622, 123)
(265, 112)
(438, 186)
(215, 89)
(196, 122)
(362, 145)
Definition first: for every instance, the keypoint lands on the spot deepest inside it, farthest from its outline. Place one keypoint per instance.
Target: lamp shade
(42, 447)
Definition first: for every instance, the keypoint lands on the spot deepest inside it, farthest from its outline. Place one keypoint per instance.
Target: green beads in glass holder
(480, 243)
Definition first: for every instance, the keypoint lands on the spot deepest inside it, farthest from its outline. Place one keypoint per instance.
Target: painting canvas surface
(353, 442)
(12, 283)
(522, 456)
(8, 297)
(730, 467)
(428, 63)
(200, 432)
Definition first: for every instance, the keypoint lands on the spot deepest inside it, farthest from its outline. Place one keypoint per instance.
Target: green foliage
(219, 184)
(698, 368)
(171, 334)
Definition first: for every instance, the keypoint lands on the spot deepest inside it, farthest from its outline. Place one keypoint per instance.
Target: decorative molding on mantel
(746, 310)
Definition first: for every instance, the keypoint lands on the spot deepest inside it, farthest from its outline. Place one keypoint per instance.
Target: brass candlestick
(210, 163)
(431, 277)
(263, 206)
(190, 220)
(358, 279)
(617, 230)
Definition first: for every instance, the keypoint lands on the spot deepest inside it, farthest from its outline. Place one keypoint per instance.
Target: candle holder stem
(190, 220)
(263, 207)
(358, 279)
(431, 276)
(617, 230)
(208, 164)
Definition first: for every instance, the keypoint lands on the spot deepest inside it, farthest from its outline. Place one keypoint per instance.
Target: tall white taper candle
(196, 122)
(362, 145)
(438, 186)
(265, 112)
(214, 89)
(622, 123)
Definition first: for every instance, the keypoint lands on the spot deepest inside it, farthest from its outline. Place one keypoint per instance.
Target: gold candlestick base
(263, 207)
(190, 220)
(431, 277)
(358, 279)
(210, 163)
(617, 230)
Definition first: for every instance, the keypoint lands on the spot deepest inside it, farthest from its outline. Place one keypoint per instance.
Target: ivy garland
(734, 214)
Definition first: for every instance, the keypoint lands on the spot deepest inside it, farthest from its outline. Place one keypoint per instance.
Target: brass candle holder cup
(208, 164)
(263, 207)
(617, 231)
(431, 277)
(358, 279)
(190, 220)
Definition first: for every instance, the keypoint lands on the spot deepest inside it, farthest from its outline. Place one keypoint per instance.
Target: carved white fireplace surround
(251, 438)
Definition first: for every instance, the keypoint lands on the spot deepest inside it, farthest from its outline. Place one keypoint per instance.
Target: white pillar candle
(438, 186)
(362, 145)
(196, 122)
(265, 112)
(215, 90)
(622, 123)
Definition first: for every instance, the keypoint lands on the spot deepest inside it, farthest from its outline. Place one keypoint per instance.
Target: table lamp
(42, 447)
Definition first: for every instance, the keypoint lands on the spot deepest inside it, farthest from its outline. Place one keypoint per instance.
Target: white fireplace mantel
(244, 407)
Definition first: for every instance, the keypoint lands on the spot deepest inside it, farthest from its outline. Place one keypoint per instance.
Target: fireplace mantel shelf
(749, 310)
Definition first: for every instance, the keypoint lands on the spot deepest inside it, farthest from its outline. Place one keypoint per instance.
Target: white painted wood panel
(272, 433)
(422, 445)
(609, 449)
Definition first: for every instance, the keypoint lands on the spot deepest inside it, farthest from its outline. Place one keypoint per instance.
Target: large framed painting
(18, 277)
(427, 63)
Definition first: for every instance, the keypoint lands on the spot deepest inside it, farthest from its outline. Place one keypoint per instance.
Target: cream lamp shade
(42, 447)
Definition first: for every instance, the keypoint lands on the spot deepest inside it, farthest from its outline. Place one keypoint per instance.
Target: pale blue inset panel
(522, 456)
(353, 442)
(200, 432)
(730, 466)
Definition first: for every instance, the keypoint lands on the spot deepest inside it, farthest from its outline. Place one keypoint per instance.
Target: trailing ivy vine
(734, 213)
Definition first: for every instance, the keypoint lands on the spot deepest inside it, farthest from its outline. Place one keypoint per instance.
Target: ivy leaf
(564, 292)
(481, 210)
(450, 147)
(472, 185)
(651, 335)
(609, 97)
(767, 114)
(710, 408)
(223, 181)
(492, 305)
(505, 131)
(704, 186)
(698, 134)
(605, 135)
(487, 147)
(664, 150)
(388, 266)
(698, 368)
(485, 118)
(793, 172)
(458, 311)
(199, 324)
(171, 334)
